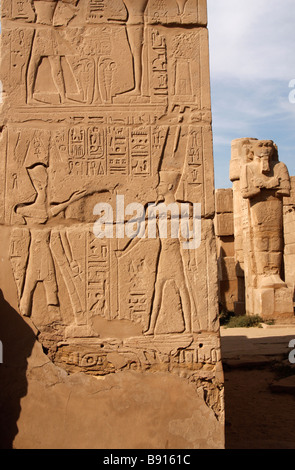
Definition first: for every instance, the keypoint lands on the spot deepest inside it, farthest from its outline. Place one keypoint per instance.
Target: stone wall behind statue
(230, 275)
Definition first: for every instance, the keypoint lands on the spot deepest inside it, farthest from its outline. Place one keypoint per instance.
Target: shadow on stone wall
(17, 339)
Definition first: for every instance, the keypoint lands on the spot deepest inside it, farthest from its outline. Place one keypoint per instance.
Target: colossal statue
(261, 182)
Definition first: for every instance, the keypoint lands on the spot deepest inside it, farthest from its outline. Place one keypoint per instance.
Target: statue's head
(168, 182)
(39, 176)
(263, 153)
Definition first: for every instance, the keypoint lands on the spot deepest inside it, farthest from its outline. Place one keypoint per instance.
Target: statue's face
(163, 189)
(39, 178)
(40, 185)
(168, 183)
(263, 148)
(263, 152)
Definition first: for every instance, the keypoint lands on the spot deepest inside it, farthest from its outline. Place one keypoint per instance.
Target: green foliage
(230, 320)
(244, 321)
(225, 316)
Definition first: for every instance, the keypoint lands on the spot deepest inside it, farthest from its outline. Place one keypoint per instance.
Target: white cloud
(252, 39)
(251, 55)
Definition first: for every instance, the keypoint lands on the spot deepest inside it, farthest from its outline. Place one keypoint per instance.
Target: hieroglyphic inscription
(98, 278)
(106, 98)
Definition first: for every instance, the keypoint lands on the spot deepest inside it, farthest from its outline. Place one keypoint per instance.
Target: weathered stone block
(224, 224)
(227, 269)
(226, 246)
(105, 122)
(224, 200)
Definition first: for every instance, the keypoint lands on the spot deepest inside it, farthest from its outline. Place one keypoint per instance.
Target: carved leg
(26, 299)
(186, 307)
(50, 287)
(57, 75)
(156, 306)
(31, 77)
(135, 37)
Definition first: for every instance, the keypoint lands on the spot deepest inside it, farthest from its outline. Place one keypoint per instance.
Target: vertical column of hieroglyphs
(108, 102)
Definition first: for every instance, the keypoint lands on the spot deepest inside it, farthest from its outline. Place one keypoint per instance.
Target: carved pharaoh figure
(49, 43)
(264, 182)
(40, 267)
(170, 264)
(170, 250)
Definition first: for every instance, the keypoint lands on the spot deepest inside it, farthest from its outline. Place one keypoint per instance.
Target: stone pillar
(289, 237)
(107, 118)
(227, 266)
(260, 182)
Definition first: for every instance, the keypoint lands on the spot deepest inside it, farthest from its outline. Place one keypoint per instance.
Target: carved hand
(267, 183)
(260, 183)
(75, 267)
(77, 195)
(273, 183)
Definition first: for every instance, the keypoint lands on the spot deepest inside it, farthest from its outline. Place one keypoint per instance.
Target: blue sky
(252, 59)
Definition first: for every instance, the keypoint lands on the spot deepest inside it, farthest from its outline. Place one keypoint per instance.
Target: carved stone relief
(104, 99)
